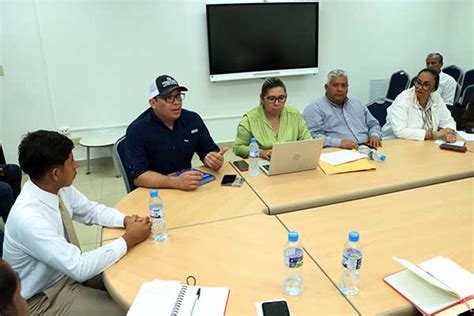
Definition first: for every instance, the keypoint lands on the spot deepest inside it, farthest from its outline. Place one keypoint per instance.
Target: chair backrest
(457, 111)
(119, 156)
(378, 109)
(467, 95)
(1, 243)
(454, 71)
(467, 80)
(399, 81)
(2, 156)
(457, 95)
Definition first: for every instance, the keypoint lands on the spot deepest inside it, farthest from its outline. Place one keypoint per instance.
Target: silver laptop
(293, 157)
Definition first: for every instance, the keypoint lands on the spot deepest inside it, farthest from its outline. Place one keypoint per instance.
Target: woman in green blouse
(270, 122)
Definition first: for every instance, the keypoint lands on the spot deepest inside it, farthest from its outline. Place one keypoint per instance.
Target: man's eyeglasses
(172, 98)
(424, 85)
(272, 98)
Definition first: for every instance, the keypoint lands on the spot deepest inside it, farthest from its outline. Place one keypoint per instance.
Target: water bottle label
(352, 259)
(156, 213)
(294, 257)
(253, 154)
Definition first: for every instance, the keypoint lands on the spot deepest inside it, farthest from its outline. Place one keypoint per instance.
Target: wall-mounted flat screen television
(258, 40)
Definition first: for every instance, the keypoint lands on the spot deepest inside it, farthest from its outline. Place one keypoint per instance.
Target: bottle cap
(382, 157)
(293, 236)
(253, 140)
(354, 236)
(153, 193)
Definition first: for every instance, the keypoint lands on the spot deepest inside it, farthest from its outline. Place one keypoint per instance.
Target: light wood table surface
(244, 254)
(416, 224)
(409, 164)
(209, 202)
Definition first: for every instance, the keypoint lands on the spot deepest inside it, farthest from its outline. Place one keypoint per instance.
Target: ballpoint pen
(198, 294)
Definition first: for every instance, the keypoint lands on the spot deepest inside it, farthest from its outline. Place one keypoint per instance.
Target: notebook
(206, 177)
(171, 298)
(293, 157)
(434, 285)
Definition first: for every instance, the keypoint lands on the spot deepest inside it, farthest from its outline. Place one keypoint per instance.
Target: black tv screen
(249, 40)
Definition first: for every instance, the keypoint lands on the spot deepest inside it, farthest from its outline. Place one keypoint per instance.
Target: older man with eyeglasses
(343, 122)
(164, 138)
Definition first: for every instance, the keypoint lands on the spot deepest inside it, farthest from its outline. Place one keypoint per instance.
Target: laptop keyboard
(266, 167)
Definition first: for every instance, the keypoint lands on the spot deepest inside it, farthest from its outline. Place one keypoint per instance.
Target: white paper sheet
(341, 156)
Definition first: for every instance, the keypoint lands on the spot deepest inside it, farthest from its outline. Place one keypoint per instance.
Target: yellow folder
(357, 165)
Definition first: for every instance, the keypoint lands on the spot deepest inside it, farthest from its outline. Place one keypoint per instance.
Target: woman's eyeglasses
(273, 98)
(424, 85)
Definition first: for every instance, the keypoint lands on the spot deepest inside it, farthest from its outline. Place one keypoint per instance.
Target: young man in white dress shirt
(40, 242)
(447, 84)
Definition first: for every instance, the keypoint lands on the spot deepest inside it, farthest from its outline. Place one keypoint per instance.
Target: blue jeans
(10, 185)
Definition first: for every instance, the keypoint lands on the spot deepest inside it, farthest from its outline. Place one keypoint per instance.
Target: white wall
(87, 64)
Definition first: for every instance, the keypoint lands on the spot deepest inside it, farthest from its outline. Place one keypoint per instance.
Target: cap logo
(168, 82)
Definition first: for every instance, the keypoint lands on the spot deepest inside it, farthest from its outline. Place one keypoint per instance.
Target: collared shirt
(334, 122)
(35, 244)
(405, 117)
(151, 146)
(256, 124)
(447, 88)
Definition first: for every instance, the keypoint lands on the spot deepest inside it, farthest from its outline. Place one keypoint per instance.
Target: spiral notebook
(175, 299)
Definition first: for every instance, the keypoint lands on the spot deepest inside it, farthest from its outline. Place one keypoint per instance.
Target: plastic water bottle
(157, 216)
(372, 153)
(293, 254)
(351, 261)
(253, 157)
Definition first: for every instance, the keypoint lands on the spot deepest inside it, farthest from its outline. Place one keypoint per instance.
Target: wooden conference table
(416, 224)
(244, 254)
(226, 224)
(409, 164)
(208, 203)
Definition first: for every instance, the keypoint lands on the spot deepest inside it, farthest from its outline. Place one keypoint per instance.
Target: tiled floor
(101, 186)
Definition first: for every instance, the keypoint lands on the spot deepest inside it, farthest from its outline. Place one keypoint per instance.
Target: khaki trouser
(68, 297)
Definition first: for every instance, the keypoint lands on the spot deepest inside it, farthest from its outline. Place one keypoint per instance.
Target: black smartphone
(228, 179)
(242, 165)
(277, 308)
(452, 147)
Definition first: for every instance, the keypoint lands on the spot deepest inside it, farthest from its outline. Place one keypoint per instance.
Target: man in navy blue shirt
(164, 138)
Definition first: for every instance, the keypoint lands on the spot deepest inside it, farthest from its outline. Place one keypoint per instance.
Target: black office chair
(378, 109)
(467, 95)
(1, 243)
(457, 111)
(2, 156)
(399, 81)
(119, 157)
(455, 72)
(467, 80)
